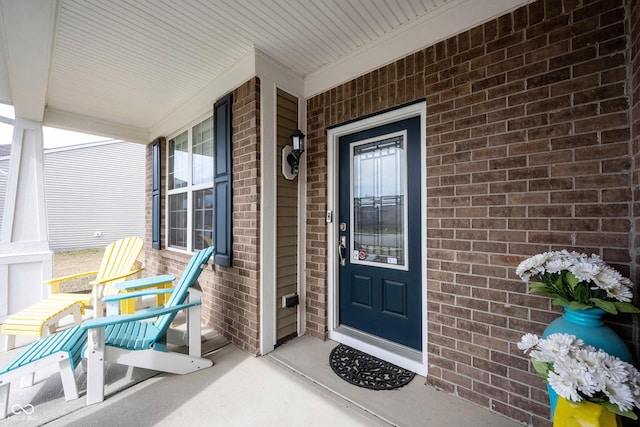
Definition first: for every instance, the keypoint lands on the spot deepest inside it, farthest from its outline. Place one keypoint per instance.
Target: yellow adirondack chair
(41, 318)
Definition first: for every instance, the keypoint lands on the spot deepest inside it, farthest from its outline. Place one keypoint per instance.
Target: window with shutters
(190, 194)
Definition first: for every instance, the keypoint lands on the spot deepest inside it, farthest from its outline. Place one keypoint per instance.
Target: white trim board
(404, 358)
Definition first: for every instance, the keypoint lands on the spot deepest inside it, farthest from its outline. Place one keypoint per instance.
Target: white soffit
(140, 63)
(452, 17)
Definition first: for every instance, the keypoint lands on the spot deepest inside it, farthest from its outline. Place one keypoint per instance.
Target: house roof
(119, 68)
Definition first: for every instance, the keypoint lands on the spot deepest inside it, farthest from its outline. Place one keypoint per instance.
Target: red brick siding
(527, 151)
(230, 294)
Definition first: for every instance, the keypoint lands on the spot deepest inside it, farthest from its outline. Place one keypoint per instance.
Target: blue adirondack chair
(128, 340)
(125, 339)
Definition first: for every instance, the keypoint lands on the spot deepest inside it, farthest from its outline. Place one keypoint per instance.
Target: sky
(53, 138)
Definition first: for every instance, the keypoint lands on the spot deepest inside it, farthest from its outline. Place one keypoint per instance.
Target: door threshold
(391, 352)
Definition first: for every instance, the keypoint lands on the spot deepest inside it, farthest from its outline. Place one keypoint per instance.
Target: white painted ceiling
(132, 62)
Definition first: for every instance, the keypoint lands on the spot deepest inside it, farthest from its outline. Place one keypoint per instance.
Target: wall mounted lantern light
(291, 153)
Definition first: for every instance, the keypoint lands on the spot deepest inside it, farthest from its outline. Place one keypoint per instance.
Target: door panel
(379, 212)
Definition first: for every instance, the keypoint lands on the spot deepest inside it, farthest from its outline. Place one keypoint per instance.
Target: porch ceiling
(131, 63)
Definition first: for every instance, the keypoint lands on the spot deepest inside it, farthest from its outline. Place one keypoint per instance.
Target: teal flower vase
(590, 328)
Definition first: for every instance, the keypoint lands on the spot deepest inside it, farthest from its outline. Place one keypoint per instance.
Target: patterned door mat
(364, 370)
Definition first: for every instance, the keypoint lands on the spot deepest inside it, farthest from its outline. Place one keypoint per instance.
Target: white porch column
(25, 259)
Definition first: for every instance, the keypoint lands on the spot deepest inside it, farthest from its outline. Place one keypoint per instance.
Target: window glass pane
(178, 167)
(203, 152)
(202, 219)
(189, 169)
(178, 220)
(378, 204)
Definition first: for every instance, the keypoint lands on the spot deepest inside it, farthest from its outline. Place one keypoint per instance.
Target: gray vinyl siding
(287, 222)
(94, 188)
(89, 188)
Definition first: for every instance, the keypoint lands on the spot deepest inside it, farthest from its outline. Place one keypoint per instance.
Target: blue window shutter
(155, 193)
(222, 180)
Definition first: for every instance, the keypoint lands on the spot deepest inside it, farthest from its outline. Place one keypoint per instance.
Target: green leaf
(561, 302)
(545, 292)
(571, 279)
(537, 288)
(559, 281)
(575, 305)
(541, 367)
(607, 306)
(626, 307)
(616, 410)
(537, 285)
(581, 293)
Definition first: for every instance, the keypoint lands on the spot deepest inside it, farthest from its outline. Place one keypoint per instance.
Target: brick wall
(634, 73)
(528, 150)
(230, 294)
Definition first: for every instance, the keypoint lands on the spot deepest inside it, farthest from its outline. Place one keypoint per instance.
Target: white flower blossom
(549, 267)
(620, 293)
(616, 369)
(532, 266)
(564, 387)
(556, 347)
(619, 394)
(558, 265)
(634, 385)
(591, 359)
(607, 278)
(581, 372)
(625, 281)
(528, 341)
(584, 271)
(576, 374)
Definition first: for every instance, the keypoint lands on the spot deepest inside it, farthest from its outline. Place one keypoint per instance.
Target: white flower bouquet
(580, 372)
(577, 281)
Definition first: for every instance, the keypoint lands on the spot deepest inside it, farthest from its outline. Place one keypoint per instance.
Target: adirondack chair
(41, 319)
(129, 340)
(124, 339)
(63, 348)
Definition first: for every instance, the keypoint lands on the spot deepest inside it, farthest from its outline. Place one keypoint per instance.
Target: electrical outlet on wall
(290, 300)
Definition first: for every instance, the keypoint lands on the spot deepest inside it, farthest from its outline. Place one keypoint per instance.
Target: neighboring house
(94, 192)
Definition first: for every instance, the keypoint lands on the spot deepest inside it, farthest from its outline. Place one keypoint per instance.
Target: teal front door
(380, 232)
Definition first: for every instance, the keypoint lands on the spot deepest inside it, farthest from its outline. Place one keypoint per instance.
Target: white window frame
(189, 189)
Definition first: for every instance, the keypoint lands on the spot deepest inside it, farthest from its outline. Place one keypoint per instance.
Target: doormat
(364, 370)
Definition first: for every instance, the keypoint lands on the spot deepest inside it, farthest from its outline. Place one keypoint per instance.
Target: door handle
(342, 246)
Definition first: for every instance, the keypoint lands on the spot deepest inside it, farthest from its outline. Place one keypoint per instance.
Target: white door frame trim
(368, 344)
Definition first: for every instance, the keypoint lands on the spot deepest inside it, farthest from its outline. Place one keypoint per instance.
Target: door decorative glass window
(378, 207)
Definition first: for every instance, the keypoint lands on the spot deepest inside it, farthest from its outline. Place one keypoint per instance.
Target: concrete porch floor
(292, 386)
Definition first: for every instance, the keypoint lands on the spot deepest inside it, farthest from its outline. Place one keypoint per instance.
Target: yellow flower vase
(583, 414)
